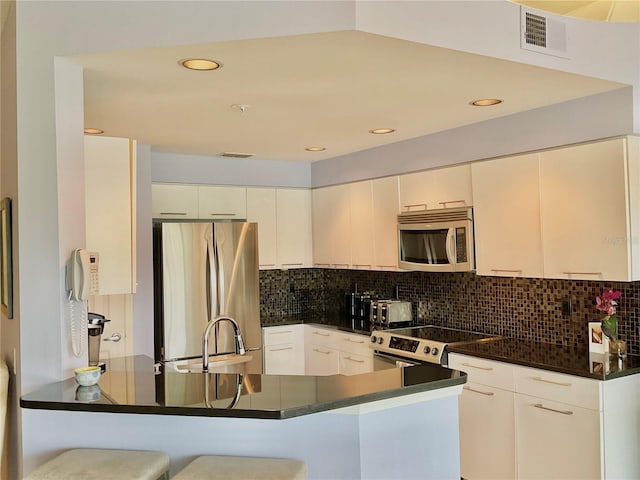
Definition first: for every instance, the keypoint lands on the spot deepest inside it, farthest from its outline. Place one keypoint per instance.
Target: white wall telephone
(81, 281)
(82, 275)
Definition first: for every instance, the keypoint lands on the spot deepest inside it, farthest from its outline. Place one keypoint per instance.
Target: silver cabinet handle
(582, 273)
(223, 214)
(408, 207)
(444, 204)
(320, 351)
(354, 360)
(515, 270)
(469, 389)
(292, 264)
(116, 337)
(488, 369)
(340, 264)
(280, 349)
(173, 213)
(321, 264)
(315, 332)
(353, 341)
(267, 265)
(280, 332)
(542, 407)
(561, 384)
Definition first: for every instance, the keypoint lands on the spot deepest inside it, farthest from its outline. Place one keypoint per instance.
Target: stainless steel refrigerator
(202, 270)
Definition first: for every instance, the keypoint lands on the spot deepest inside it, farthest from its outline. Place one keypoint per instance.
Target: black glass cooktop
(441, 334)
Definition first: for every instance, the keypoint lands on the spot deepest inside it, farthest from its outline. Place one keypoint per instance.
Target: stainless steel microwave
(436, 240)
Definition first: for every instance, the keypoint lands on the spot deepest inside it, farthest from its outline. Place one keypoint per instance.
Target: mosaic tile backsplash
(521, 308)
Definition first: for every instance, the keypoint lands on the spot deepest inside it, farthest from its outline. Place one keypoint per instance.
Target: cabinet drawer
(281, 335)
(569, 389)
(356, 344)
(486, 372)
(322, 336)
(352, 364)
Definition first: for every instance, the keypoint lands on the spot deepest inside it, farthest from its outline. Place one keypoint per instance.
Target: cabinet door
(331, 227)
(506, 209)
(294, 227)
(441, 188)
(261, 208)
(556, 440)
(110, 207)
(584, 208)
(385, 223)
(222, 203)
(352, 364)
(321, 360)
(487, 433)
(362, 233)
(174, 201)
(280, 359)
(452, 187)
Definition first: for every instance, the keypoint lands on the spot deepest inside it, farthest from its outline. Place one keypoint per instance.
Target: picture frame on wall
(6, 255)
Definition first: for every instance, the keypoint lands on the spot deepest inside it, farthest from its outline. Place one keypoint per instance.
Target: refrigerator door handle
(218, 276)
(213, 308)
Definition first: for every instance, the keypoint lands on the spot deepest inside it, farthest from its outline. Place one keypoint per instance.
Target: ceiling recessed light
(486, 102)
(93, 131)
(315, 149)
(200, 64)
(382, 131)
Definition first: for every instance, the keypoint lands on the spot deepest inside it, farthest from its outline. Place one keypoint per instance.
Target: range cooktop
(426, 344)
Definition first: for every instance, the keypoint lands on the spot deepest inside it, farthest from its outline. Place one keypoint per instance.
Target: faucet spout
(240, 350)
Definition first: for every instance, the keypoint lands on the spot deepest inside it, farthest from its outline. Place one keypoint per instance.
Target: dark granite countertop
(131, 386)
(556, 358)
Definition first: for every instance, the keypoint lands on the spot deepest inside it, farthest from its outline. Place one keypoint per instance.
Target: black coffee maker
(95, 324)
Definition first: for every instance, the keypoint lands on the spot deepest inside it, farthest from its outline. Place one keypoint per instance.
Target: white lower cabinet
(557, 440)
(487, 431)
(487, 441)
(537, 424)
(284, 350)
(330, 352)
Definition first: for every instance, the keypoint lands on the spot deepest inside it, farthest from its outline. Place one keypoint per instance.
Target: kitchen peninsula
(359, 422)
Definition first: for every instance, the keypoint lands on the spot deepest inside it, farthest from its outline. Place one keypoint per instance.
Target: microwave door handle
(451, 246)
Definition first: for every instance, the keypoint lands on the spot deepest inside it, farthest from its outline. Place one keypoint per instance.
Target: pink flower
(607, 303)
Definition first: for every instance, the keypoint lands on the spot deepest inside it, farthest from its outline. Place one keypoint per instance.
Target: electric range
(424, 344)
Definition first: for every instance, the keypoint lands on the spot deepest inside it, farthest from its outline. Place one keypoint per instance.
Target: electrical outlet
(567, 307)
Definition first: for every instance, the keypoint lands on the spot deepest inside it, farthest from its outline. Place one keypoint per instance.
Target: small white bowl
(87, 376)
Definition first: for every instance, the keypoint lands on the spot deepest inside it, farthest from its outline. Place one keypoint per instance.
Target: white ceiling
(326, 89)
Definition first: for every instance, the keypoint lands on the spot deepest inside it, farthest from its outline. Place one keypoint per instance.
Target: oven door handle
(399, 362)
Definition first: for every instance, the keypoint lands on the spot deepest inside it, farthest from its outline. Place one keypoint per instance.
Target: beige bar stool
(216, 467)
(104, 464)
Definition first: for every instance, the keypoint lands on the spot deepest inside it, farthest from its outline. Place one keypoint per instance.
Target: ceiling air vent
(542, 34)
(235, 155)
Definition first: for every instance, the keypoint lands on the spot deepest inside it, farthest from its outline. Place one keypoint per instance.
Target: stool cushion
(215, 467)
(103, 464)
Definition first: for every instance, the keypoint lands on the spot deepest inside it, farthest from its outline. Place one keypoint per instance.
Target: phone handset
(81, 281)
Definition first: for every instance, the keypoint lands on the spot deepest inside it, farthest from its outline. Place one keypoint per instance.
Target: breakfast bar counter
(335, 424)
(239, 395)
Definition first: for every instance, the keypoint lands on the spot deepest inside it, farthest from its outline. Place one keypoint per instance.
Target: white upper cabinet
(110, 200)
(261, 208)
(586, 203)
(294, 244)
(174, 201)
(331, 226)
(506, 208)
(362, 233)
(432, 189)
(222, 203)
(385, 223)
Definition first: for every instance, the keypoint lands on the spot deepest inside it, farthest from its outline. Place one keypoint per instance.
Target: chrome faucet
(205, 339)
